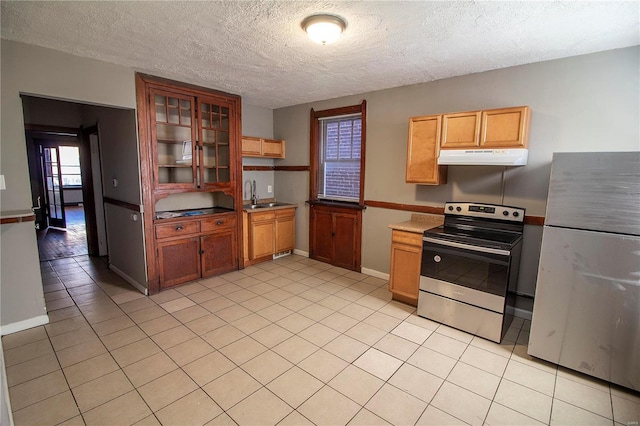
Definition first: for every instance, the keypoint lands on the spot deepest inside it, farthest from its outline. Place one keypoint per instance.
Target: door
(321, 237)
(218, 252)
(334, 236)
(52, 173)
(346, 240)
(179, 261)
(587, 304)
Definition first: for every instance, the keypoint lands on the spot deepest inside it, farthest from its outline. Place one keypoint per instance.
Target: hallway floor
(290, 342)
(54, 243)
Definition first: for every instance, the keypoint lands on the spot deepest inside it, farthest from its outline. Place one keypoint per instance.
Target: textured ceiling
(257, 49)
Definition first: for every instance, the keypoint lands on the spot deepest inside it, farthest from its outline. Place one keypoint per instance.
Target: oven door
(471, 274)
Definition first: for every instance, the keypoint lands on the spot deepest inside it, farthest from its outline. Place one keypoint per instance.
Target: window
(337, 141)
(70, 166)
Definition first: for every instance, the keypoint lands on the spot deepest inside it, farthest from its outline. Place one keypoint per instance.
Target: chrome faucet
(254, 194)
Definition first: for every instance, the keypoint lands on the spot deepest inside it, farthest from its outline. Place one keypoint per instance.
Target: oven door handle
(467, 246)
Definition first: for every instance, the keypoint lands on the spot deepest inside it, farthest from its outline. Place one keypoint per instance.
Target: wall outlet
(269, 189)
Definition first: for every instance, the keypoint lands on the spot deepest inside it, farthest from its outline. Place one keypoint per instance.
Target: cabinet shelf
(175, 166)
(214, 144)
(170, 141)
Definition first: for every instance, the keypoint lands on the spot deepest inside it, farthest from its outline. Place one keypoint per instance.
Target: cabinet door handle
(201, 251)
(333, 234)
(179, 228)
(219, 222)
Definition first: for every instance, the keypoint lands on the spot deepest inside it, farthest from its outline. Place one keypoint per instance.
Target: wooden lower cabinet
(179, 261)
(406, 258)
(219, 254)
(285, 230)
(336, 235)
(262, 234)
(189, 249)
(268, 232)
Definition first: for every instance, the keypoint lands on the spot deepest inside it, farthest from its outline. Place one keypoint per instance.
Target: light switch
(269, 189)
(115, 183)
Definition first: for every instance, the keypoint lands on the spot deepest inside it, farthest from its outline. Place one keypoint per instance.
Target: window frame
(316, 144)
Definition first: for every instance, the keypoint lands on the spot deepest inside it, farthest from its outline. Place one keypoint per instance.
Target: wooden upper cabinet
(261, 147)
(460, 130)
(422, 151)
(251, 147)
(505, 128)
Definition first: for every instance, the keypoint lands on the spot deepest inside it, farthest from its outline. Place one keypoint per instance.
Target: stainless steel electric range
(469, 268)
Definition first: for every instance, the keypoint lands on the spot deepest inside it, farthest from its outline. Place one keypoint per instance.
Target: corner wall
(583, 103)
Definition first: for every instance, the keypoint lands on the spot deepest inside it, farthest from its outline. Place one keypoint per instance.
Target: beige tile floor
(288, 342)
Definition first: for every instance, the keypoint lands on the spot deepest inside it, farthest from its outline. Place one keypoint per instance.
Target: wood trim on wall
(528, 220)
(123, 204)
(27, 218)
(276, 168)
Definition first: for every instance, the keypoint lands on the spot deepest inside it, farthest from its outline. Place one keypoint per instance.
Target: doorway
(60, 169)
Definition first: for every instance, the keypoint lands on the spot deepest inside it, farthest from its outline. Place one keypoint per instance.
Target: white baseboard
(142, 289)
(24, 324)
(519, 313)
(374, 273)
(301, 252)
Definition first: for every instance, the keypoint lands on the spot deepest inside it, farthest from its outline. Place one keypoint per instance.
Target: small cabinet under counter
(268, 231)
(195, 246)
(406, 256)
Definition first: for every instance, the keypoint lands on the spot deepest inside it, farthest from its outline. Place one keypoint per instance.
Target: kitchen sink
(264, 205)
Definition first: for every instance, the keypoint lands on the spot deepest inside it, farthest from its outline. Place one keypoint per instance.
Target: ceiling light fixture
(324, 29)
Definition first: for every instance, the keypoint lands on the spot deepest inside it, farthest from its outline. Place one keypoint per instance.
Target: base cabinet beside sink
(268, 231)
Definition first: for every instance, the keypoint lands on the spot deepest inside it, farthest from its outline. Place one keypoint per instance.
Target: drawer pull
(219, 222)
(179, 228)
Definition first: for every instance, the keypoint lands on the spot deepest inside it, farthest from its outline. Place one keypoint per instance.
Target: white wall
(584, 103)
(32, 70)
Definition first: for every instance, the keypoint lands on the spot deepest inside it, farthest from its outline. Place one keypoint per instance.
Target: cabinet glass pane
(208, 136)
(174, 154)
(223, 155)
(178, 134)
(224, 119)
(214, 175)
(169, 174)
(161, 108)
(209, 156)
(185, 113)
(223, 137)
(173, 110)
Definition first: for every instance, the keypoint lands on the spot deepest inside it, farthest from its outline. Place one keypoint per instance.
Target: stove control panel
(489, 211)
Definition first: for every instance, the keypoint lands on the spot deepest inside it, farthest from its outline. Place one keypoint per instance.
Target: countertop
(190, 213)
(419, 223)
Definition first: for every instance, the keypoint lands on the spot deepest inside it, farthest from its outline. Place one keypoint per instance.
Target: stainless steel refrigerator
(586, 311)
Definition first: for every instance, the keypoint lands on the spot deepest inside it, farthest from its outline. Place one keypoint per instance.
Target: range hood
(484, 157)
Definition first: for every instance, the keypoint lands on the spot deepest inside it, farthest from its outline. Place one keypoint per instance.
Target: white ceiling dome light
(324, 29)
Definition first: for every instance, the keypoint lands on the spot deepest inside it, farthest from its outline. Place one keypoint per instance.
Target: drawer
(285, 213)
(404, 237)
(177, 229)
(262, 216)
(216, 223)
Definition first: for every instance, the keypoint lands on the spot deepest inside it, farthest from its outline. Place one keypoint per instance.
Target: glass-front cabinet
(214, 120)
(192, 137)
